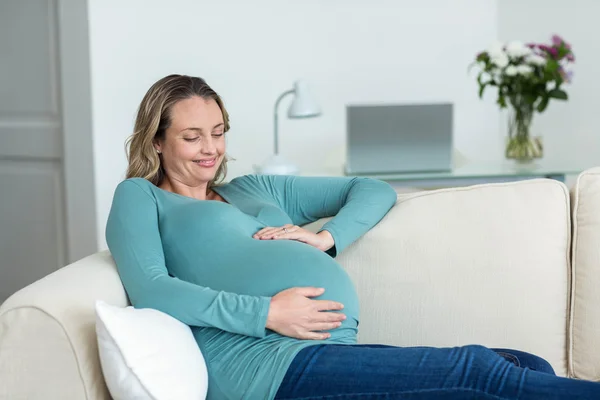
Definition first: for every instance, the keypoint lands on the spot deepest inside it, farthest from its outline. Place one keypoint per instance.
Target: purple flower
(570, 57)
(531, 45)
(566, 76)
(543, 47)
(554, 52)
(557, 40)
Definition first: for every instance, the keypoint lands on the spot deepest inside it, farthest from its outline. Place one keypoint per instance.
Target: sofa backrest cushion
(486, 264)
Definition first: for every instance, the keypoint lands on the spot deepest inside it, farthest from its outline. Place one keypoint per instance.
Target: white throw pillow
(148, 355)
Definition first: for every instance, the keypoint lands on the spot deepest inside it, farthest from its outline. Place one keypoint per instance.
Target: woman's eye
(190, 139)
(217, 135)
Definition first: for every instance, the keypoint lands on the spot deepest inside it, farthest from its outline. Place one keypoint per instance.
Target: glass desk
(481, 172)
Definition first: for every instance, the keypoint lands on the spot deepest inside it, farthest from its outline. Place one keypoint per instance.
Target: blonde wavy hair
(153, 119)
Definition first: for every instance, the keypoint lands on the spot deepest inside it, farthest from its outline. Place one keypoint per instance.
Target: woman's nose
(208, 147)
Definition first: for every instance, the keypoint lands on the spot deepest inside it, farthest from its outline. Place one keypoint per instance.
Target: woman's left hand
(322, 240)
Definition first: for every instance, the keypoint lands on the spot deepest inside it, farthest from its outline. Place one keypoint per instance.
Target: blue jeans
(374, 372)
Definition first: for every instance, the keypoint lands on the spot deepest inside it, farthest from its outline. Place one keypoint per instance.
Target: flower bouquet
(527, 77)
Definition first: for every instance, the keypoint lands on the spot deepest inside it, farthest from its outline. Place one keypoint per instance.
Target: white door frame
(75, 100)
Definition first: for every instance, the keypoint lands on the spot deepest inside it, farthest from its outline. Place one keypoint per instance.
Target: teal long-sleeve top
(197, 261)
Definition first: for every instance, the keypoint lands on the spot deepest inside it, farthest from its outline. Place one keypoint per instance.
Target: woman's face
(194, 143)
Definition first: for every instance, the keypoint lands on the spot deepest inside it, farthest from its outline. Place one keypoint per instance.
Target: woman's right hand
(292, 313)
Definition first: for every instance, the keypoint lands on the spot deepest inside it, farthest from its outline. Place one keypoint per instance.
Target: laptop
(392, 139)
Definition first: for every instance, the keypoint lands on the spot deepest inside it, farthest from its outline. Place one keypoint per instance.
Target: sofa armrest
(48, 347)
(584, 338)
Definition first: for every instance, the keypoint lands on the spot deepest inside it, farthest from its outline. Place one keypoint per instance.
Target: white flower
(535, 59)
(524, 69)
(511, 70)
(500, 60)
(516, 49)
(496, 77)
(496, 49)
(497, 54)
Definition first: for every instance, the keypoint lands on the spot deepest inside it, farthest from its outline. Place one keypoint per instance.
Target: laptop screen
(399, 138)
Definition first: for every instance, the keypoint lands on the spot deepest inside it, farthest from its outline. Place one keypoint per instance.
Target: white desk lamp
(303, 106)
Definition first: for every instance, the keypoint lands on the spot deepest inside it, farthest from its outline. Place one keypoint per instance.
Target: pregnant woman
(276, 317)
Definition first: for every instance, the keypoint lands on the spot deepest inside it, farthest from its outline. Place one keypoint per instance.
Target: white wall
(571, 130)
(350, 51)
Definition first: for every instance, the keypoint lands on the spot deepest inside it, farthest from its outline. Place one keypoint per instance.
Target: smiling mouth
(206, 163)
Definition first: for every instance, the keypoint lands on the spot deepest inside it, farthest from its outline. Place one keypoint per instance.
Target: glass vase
(521, 146)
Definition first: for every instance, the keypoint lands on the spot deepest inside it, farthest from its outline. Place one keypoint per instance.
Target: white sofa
(512, 265)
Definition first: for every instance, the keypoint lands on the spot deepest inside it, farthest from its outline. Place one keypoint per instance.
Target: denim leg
(526, 360)
(377, 372)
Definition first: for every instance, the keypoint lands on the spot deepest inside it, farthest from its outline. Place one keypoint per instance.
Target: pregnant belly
(265, 268)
